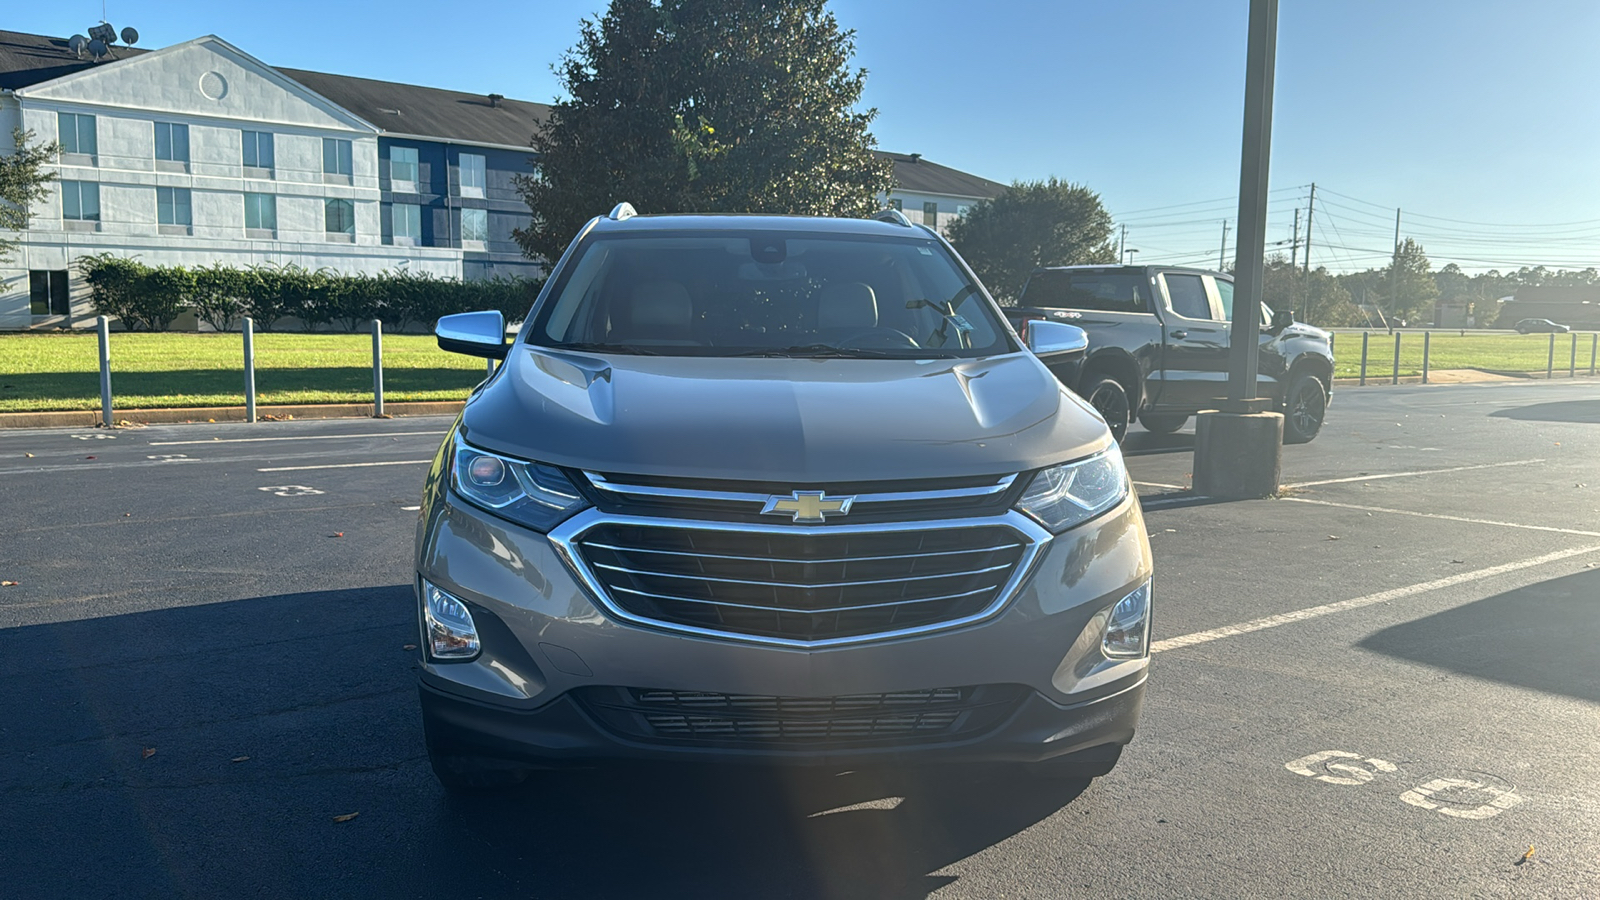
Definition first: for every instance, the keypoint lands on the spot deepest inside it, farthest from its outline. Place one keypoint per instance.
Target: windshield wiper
(597, 347)
(827, 351)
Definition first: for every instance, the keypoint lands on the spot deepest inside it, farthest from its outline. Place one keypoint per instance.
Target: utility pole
(1294, 245)
(1311, 206)
(1222, 255)
(1394, 270)
(1122, 245)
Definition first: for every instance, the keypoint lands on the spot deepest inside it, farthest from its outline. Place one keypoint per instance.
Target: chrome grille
(803, 585)
(714, 718)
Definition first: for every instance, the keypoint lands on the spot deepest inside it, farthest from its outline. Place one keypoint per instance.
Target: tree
(704, 106)
(1320, 299)
(1035, 223)
(1408, 283)
(23, 182)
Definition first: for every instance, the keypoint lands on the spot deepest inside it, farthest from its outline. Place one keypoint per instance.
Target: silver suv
(775, 489)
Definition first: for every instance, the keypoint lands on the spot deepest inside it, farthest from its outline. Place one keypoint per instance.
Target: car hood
(802, 420)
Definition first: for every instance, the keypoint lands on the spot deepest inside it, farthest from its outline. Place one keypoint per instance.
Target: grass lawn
(1452, 350)
(61, 371)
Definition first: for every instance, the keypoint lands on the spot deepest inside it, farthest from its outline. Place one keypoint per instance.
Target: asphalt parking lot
(1385, 683)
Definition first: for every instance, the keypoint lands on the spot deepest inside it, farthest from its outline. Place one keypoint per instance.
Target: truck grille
(714, 718)
(801, 585)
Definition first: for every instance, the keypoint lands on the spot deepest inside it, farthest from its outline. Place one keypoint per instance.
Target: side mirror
(1282, 319)
(473, 333)
(1047, 338)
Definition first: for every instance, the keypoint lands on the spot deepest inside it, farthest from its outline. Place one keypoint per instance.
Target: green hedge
(149, 298)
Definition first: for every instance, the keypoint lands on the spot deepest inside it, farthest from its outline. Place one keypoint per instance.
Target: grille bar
(808, 612)
(801, 585)
(775, 559)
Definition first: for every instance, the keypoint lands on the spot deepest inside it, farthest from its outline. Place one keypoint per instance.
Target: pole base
(1238, 456)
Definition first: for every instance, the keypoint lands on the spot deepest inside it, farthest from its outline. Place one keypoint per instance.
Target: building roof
(429, 112)
(914, 174)
(29, 59)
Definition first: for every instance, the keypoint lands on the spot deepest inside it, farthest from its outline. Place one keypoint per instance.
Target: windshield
(732, 293)
(1225, 291)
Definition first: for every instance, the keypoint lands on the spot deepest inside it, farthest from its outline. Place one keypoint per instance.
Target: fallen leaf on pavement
(28, 455)
(239, 759)
(9, 583)
(1459, 561)
(409, 647)
(1333, 537)
(1525, 857)
(346, 817)
(88, 457)
(337, 534)
(149, 752)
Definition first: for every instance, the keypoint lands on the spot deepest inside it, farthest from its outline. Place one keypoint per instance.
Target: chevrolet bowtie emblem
(808, 506)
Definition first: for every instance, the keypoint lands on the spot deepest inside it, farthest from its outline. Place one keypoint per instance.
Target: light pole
(1239, 448)
(1127, 256)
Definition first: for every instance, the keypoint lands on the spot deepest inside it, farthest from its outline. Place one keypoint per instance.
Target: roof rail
(623, 210)
(892, 216)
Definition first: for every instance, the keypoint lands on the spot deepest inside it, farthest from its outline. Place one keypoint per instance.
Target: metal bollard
(1594, 344)
(103, 325)
(1550, 361)
(1395, 377)
(1427, 337)
(1365, 336)
(377, 368)
(249, 369)
(1572, 364)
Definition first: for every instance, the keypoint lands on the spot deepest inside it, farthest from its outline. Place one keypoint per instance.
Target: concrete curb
(86, 418)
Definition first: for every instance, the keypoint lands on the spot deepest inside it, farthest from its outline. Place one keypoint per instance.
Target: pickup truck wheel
(1162, 424)
(1303, 409)
(1110, 400)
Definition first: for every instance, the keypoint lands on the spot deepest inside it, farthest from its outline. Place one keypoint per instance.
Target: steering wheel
(877, 337)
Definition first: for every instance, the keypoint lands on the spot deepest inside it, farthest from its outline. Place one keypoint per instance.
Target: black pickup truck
(1158, 345)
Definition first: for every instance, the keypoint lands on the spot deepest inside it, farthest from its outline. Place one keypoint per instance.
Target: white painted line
(1423, 515)
(1501, 799)
(410, 508)
(1519, 462)
(1300, 615)
(401, 462)
(301, 437)
(1157, 484)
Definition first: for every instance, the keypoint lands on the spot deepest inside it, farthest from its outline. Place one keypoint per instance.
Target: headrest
(660, 304)
(847, 304)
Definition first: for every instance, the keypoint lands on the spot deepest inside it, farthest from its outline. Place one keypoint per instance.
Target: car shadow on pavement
(216, 750)
(1581, 412)
(1148, 443)
(1541, 637)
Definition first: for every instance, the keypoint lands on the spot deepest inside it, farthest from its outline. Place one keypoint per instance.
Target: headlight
(1063, 496)
(1128, 628)
(452, 635)
(527, 493)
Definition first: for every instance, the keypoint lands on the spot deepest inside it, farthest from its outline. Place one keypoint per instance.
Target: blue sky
(1477, 118)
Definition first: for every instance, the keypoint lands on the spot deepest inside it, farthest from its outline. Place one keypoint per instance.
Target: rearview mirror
(1047, 338)
(473, 333)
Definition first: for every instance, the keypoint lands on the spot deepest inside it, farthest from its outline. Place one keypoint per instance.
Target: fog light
(1128, 628)
(451, 633)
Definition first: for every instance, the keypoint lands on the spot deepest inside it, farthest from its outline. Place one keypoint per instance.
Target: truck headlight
(452, 635)
(527, 493)
(1128, 627)
(1063, 496)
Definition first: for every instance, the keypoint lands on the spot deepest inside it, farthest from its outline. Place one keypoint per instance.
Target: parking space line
(1312, 612)
(1353, 478)
(1157, 484)
(1423, 515)
(398, 462)
(295, 437)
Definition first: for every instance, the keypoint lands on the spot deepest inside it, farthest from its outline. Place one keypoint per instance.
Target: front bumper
(546, 641)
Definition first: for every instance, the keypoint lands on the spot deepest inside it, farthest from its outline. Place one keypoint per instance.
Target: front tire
(1304, 408)
(1162, 424)
(1110, 399)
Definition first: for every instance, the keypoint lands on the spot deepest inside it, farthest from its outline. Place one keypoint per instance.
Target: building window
(474, 175)
(260, 215)
(172, 209)
(897, 204)
(405, 223)
(172, 142)
(76, 134)
(258, 150)
(474, 227)
(340, 216)
(80, 201)
(336, 158)
(47, 293)
(930, 215)
(962, 211)
(403, 169)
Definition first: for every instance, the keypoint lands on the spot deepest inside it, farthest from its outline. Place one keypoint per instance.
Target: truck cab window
(1187, 295)
(1106, 292)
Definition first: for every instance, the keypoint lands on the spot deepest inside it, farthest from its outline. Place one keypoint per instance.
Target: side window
(1188, 295)
(1107, 292)
(1225, 294)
